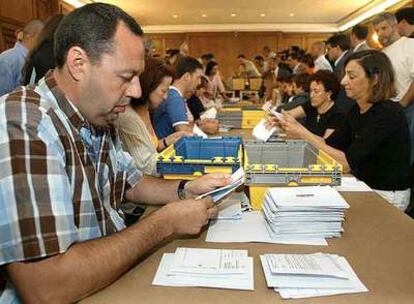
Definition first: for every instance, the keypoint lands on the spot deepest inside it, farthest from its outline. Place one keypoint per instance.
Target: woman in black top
(321, 115)
(41, 59)
(374, 143)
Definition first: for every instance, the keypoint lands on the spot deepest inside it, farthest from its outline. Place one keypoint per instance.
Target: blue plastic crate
(194, 156)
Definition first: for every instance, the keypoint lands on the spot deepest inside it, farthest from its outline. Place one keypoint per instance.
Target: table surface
(378, 242)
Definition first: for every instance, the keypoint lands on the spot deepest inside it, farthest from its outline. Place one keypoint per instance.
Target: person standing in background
(12, 60)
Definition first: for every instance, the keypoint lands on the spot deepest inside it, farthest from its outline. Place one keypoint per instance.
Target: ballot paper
(197, 131)
(209, 114)
(308, 275)
(261, 132)
(352, 184)
(276, 114)
(237, 179)
(251, 227)
(304, 212)
(230, 208)
(221, 268)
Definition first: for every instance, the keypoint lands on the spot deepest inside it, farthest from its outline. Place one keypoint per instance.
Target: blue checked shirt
(61, 179)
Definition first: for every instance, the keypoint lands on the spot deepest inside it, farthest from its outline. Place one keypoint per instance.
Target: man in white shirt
(400, 50)
(318, 51)
(358, 38)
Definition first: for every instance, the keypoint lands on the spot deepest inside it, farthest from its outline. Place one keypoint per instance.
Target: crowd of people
(84, 112)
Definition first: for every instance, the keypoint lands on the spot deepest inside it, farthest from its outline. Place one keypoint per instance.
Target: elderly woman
(374, 143)
(135, 127)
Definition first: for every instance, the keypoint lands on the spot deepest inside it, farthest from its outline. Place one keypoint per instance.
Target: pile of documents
(304, 212)
(296, 276)
(200, 267)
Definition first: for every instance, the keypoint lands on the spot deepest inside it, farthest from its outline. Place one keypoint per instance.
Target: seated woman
(135, 126)
(196, 106)
(374, 143)
(214, 77)
(321, 115)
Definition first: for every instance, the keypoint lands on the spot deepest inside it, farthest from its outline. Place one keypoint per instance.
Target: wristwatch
(181, 190)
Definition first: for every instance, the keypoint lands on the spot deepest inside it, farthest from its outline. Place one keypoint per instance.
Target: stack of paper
(251, 227)
(220, 268)
(304, 212)
(310, 275)
(237, 179)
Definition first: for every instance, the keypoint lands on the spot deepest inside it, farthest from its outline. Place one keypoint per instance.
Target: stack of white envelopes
(310, 275)
(199, 267)
(304, 212)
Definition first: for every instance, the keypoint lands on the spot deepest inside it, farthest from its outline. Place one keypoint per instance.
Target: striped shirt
(61, 179)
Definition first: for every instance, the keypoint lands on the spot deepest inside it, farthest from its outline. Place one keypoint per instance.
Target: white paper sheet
(351, 184)
(244, 281)
(250, 228)
(261, 132)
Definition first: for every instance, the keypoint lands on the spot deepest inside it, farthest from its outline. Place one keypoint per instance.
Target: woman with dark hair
(41, 59)
(213, 75)
(135, 126)
(321, 114)
(374, 143)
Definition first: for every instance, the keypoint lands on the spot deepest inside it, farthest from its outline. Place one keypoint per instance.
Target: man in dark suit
(339, 50)
(358, 37)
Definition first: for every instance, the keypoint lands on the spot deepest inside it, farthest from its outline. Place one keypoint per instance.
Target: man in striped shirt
(63, 173)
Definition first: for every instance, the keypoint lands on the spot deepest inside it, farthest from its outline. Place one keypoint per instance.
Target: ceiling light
(175, 16)
(375, 38)
(291, 14)
(369, 13)
(262, 15)
(204, 15)
(233, 15)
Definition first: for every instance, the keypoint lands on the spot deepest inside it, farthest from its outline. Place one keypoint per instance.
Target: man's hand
(189, 216)
(206, 183)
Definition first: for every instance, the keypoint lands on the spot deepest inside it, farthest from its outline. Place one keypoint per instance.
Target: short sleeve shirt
(61, 179)
(171, 113)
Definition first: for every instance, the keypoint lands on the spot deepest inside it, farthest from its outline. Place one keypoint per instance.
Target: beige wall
(226, 46)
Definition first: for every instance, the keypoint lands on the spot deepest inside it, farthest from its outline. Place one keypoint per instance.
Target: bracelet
(164, 141)
(181, 190)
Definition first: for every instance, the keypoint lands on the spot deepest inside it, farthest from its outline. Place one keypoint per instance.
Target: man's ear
(187, 76)
(77, 62)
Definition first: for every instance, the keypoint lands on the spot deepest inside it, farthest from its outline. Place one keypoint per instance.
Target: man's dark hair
(258, 57)
(207, 56)
(406, 13)
(209, 67)
(360, 31)
(295, 56)
(91, 27)
(241, 56)
(173, 52)
(339, 40)
(187, 65)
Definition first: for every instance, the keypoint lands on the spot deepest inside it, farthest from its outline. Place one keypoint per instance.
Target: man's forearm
(88, 266)
(408, 98)
(153, 191)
